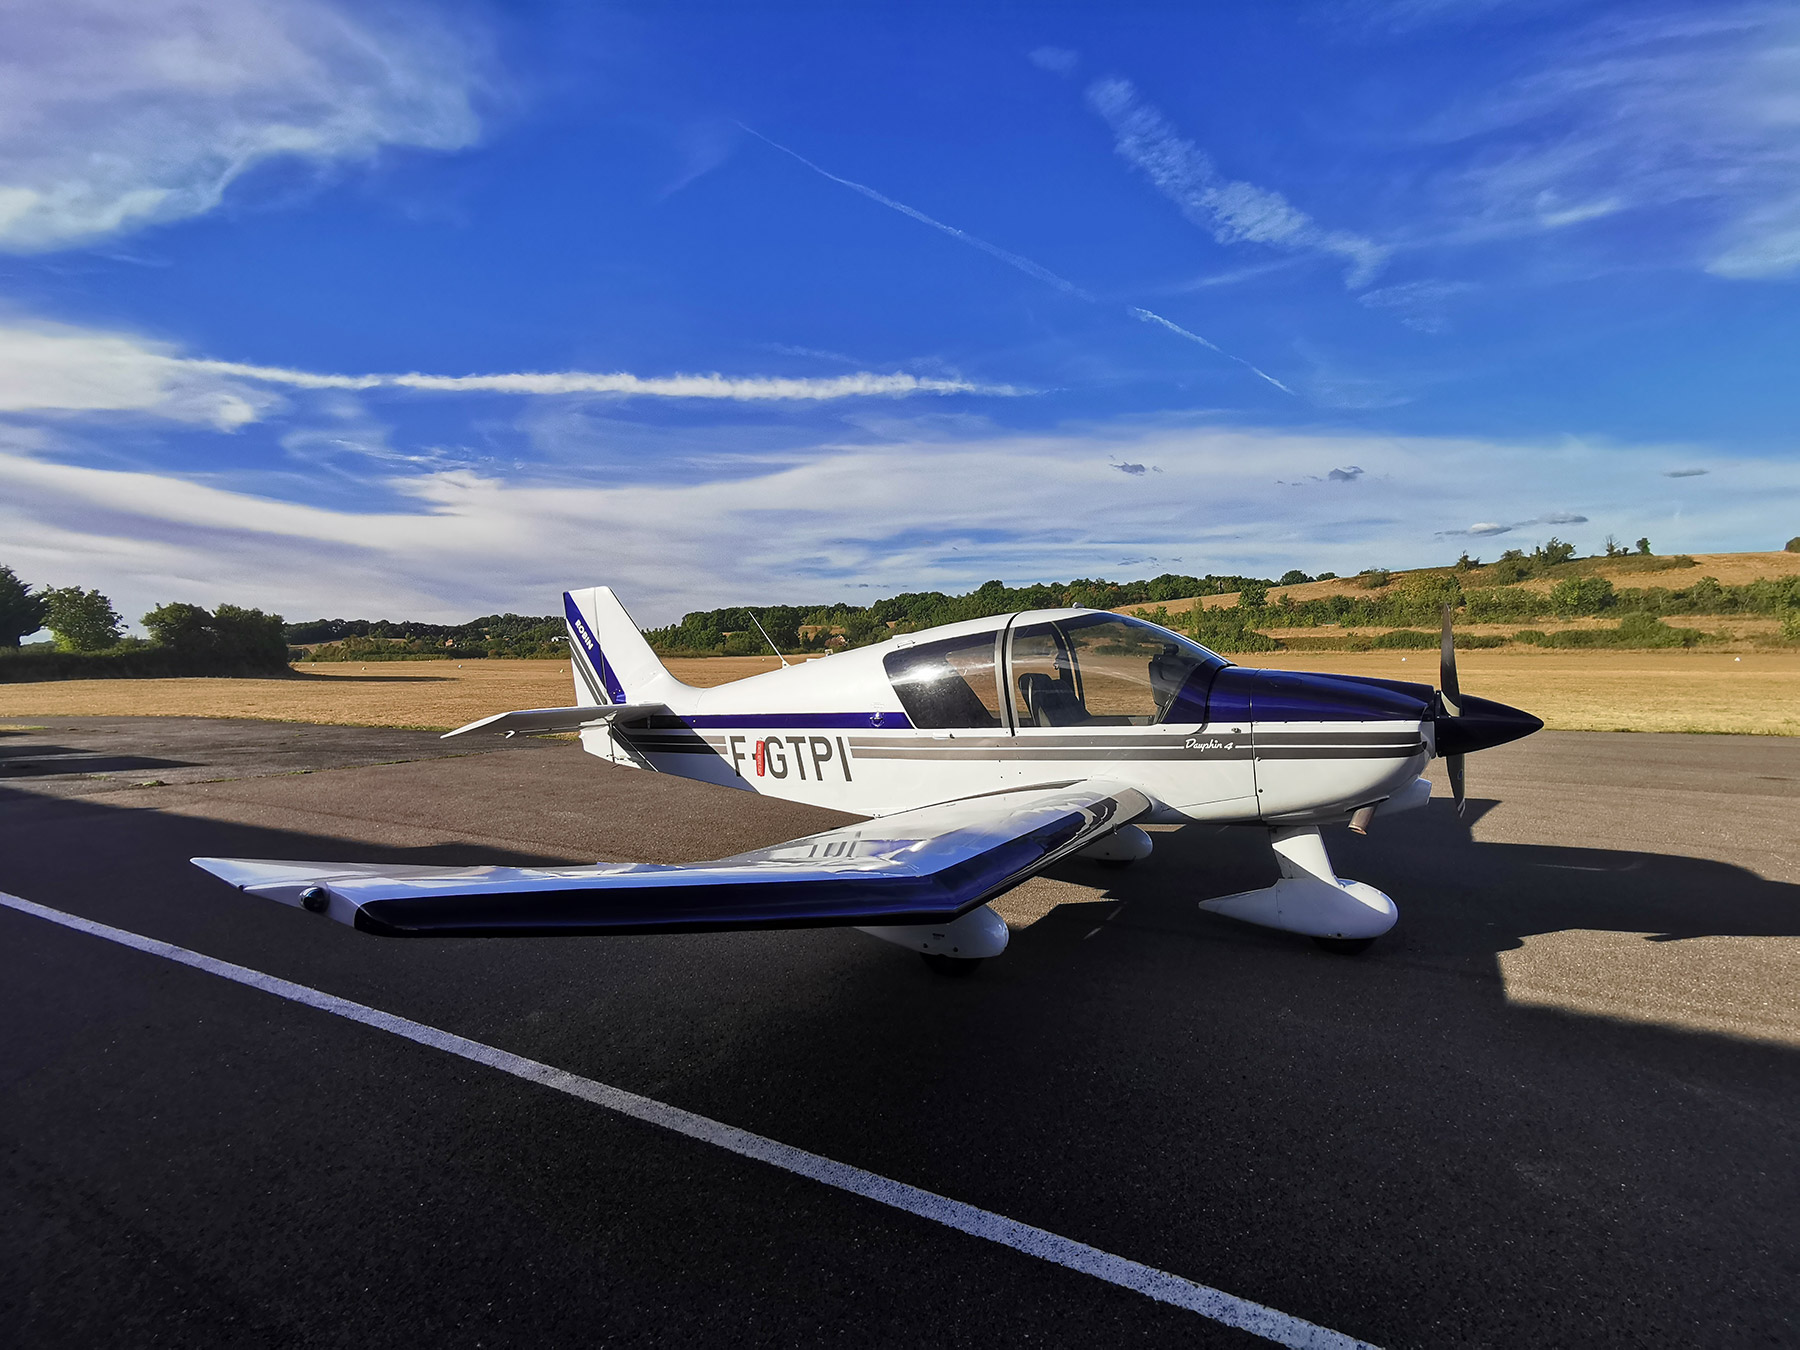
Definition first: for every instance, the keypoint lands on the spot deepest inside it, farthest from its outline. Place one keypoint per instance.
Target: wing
(541, 720)
(922, 866)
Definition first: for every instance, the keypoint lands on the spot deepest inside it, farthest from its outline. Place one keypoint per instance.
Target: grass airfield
(1747, 692)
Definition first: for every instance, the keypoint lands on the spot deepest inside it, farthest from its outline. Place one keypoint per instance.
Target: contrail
(1149, 317)
(1025, 265)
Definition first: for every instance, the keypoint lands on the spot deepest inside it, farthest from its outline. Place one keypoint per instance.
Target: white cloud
(1651, 112)
(48, 367)
(55, 368)
(116, 114)
(910, 514)
(1232, 211)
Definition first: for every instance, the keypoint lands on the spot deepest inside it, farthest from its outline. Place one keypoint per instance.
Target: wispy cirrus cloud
(1420, 305)
(50, 368)
(116, 114)
(1690, 115)
(1056, 60)
(1232, 211)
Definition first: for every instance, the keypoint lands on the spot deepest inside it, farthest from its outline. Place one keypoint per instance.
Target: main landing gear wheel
(957, 966)
(1345, 946)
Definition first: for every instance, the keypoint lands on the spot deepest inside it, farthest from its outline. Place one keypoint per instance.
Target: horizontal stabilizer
(541, 721)
(921, 866)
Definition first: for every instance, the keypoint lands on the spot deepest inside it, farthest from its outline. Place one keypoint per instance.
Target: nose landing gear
(1310, 898)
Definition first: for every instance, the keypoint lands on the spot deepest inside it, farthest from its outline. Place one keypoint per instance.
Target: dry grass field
(1673, 690)
(430, 694)
(1757, 692)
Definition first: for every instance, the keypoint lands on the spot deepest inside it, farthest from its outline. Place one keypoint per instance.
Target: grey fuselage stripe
(1122, 754)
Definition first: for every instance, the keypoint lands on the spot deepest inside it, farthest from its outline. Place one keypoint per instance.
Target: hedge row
(128, 663)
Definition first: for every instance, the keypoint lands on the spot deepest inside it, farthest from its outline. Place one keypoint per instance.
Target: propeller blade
(1447, 684)
(1451, 693)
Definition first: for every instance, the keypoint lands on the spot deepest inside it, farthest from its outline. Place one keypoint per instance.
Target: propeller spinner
(1466, 723)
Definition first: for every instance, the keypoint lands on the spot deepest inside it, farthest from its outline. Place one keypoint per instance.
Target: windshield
(1108, 670)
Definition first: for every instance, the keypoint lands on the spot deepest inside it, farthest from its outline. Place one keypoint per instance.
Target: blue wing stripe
(833, 901)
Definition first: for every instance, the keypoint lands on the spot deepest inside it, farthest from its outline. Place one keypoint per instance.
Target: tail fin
(609, 657)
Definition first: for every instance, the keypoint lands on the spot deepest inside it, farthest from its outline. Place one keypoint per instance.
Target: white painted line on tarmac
(1160, 1285)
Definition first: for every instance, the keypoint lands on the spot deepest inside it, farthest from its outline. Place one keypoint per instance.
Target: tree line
(800, 628)
(88, 639)
(493, 635)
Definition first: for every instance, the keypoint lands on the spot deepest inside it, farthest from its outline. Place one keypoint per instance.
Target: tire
(1344, 946)
(956, 966)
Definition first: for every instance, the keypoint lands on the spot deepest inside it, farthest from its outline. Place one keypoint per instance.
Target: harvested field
(429, 694)
(1753, 691)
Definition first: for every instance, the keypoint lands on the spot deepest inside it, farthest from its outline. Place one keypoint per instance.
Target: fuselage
(1044, 697)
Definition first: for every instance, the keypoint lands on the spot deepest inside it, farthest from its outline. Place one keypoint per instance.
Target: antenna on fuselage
(766, 638)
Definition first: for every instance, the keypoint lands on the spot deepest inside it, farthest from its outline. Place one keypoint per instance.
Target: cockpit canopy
(1083, 670)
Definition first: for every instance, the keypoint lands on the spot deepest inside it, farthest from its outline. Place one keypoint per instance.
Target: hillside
(1729, 569)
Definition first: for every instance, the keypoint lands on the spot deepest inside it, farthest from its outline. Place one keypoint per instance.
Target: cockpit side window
(1105, 670)
(949, 683)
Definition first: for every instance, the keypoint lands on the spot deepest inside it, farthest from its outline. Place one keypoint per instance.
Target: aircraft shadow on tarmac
(1475, 895)
(1458, 897)
(38, 760)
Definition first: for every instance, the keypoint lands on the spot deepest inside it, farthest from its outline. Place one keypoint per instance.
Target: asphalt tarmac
(1558, 1105)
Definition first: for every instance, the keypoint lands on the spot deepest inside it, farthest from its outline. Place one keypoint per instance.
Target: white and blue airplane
(983, 752)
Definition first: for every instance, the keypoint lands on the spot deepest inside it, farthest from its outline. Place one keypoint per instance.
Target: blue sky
(433, 310)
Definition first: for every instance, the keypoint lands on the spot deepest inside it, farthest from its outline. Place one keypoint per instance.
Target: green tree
(1581, 595)
(21, 609)
(1253, 595)
(1643, 546)
(183, 628)
(1294, 577)
(1793, 546)
(250, 636)
(1552, 551)
(230, 635)
(81, 621)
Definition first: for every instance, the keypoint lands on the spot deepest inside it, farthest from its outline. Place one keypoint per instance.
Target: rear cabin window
(949, 683)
